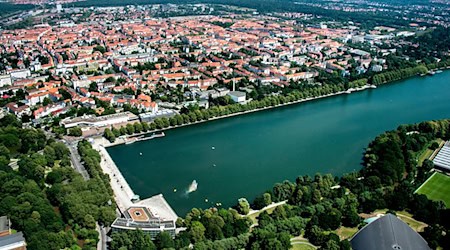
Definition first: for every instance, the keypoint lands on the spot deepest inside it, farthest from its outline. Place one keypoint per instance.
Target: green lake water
(254, 151)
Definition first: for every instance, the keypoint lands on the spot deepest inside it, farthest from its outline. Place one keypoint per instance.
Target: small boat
(206, 200)
(213, 148)
(174, 190)
(438, 71)
(140, 153)
(214, 165)
(129, 142)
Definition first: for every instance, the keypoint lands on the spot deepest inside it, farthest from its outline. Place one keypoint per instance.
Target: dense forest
(430, 45)
(366, 19)
(45, 198)
(317, 206)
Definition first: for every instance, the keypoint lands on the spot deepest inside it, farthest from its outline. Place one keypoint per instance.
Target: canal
(245, 155)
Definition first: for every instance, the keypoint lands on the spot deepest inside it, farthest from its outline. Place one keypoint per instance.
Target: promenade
(122, 191)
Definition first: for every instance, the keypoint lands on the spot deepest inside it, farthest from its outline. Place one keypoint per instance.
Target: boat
(373, 86)
(439, 71)
(431, 73)
(193, 186)
(153, 136)
(213, 148)
(129, 142)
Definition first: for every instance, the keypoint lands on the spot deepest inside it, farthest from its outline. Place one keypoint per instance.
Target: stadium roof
(388, 233)
(13, 241)
(442, 159)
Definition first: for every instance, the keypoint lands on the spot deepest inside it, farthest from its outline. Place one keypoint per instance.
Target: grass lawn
(437, 187)
(426, 153)
(346, 232)
(299, 243)
(302, 247)
(254, 216)
(408, 219)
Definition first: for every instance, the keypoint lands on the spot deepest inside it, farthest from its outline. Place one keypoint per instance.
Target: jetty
(137, 138)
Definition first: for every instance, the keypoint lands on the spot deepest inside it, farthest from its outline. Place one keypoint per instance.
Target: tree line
(44, 197)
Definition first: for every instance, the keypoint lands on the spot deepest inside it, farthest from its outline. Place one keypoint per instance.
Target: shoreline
(122, 141)
(122, 190)
(352, 90)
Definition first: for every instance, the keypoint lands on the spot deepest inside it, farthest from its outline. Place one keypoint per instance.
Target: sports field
(437, 187)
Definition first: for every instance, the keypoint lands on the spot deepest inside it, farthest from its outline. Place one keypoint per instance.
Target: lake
(244, 156)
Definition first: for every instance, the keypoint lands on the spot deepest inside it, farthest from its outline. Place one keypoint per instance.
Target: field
(437, 187)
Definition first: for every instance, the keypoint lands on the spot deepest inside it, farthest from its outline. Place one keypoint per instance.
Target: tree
(50, 155)
(197, 231)
(93, 87)
(243, 206)
(46, 101)
(109, 135)
(89, 221)
(131, 239)
(76, 131)
(164, 240)
(130, 129)
(138, 127)
(100, 49)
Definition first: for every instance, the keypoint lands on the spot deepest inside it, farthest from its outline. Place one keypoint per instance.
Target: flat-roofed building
(442, 159)
(153, 216)
(237, 96)
(100, 121)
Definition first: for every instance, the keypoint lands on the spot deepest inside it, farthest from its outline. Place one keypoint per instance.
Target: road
(101, 245)
(76, 160)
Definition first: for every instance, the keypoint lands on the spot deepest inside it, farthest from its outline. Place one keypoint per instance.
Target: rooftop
(388, 233)
(442, 159)
(13, 241)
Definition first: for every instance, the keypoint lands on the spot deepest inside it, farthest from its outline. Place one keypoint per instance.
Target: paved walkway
(122, 191)
(266, 208)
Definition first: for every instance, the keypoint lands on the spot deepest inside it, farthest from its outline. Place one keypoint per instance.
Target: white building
(101, 121)
(5, 80)
(377, 68)
(18, 74)
(237, 96)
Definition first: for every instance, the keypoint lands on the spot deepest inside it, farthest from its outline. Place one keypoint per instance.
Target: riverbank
(348, 91)
(326, 136)
(120, 141)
